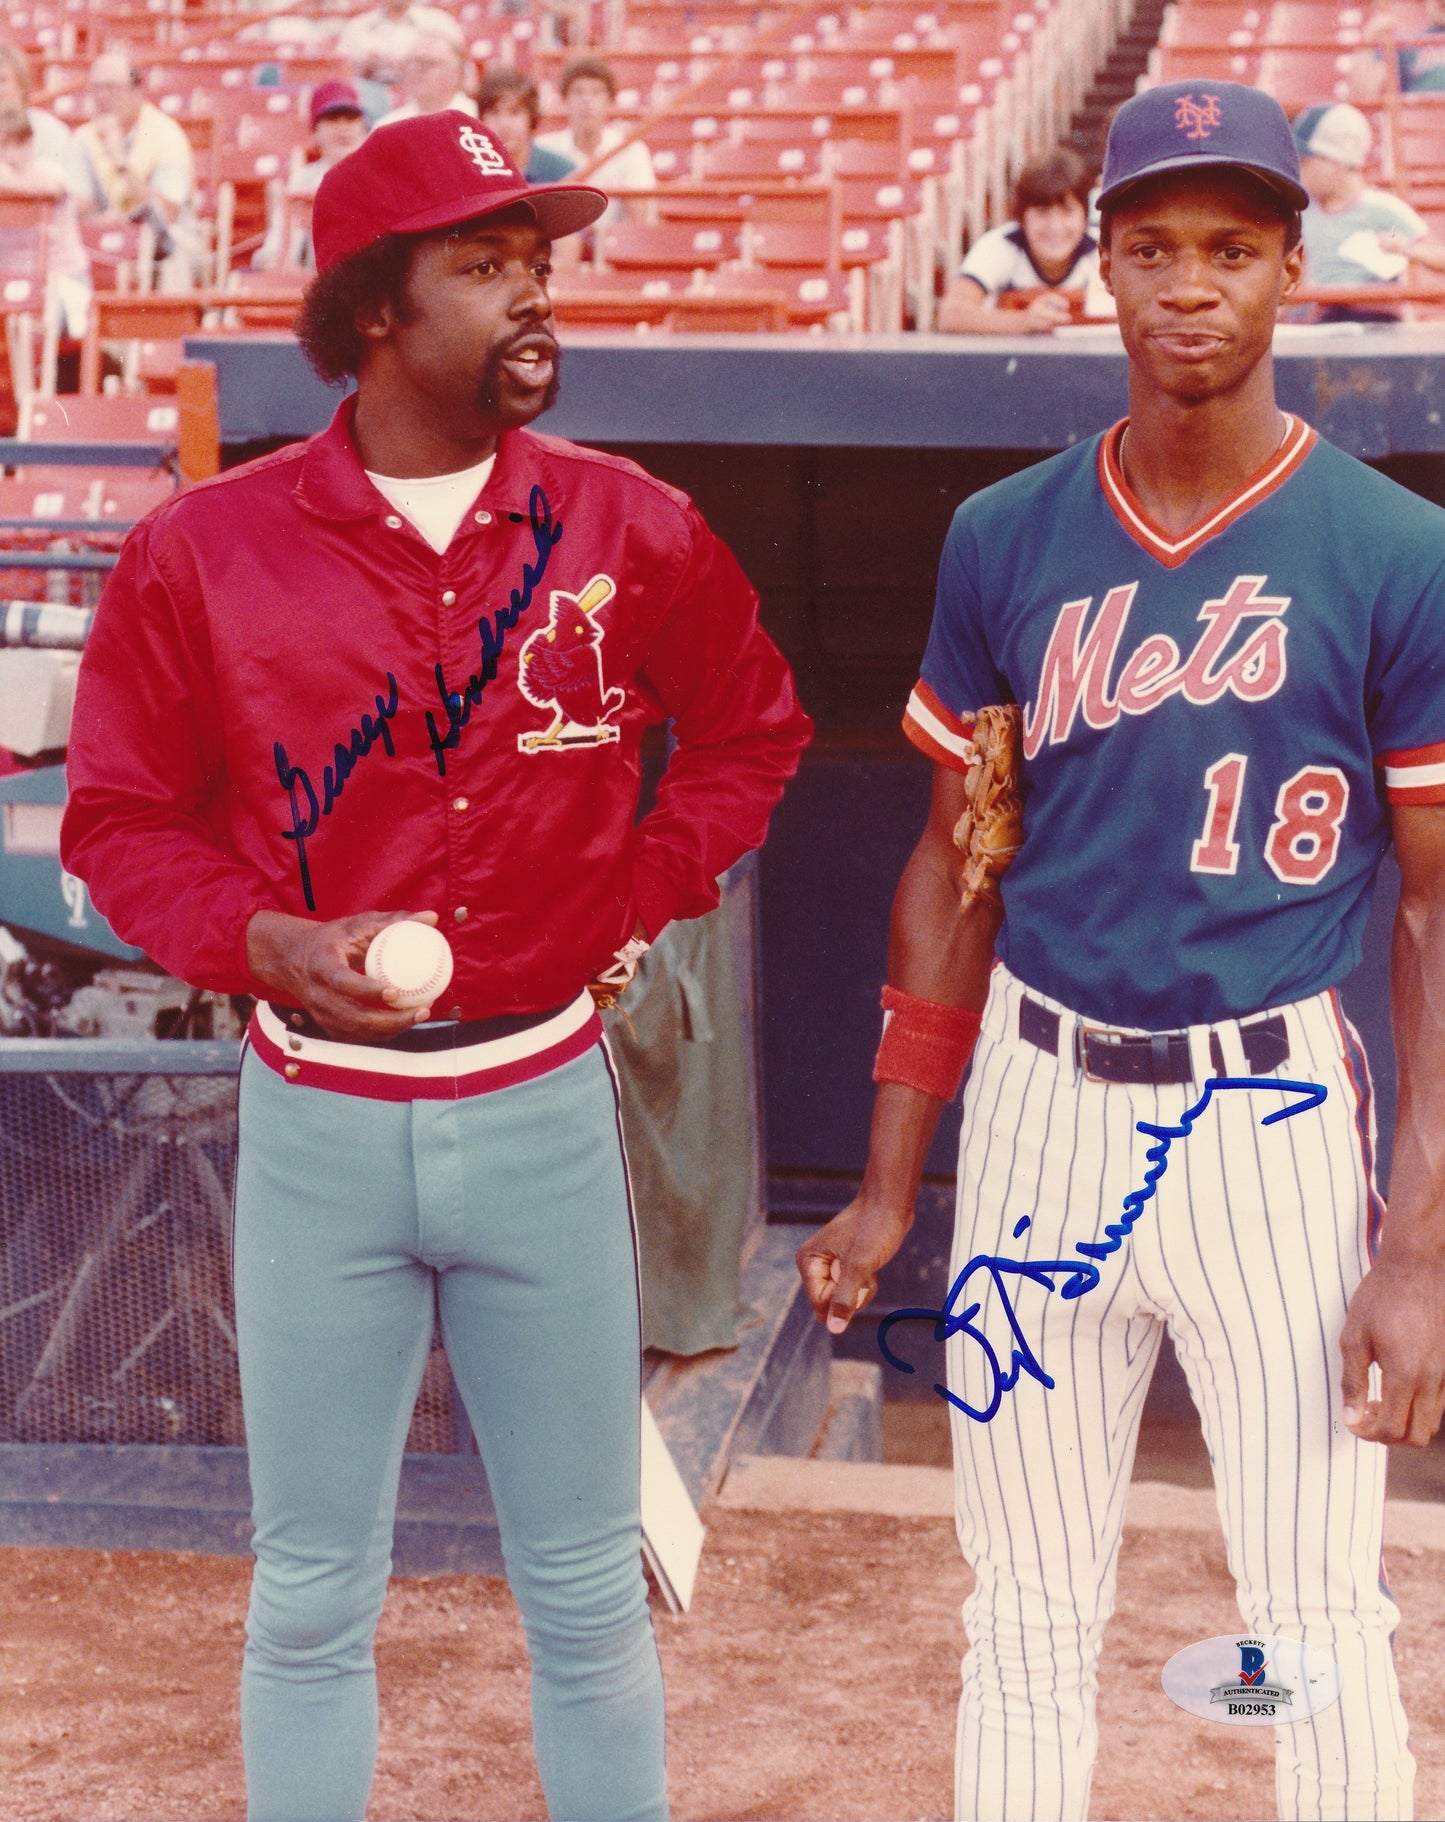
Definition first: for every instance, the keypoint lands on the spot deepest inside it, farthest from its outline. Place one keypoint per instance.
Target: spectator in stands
(53, 139)
(1045, 253)
(1353, 234)
(26, 171)
(378, 42)
(141, 166)
(431, 80)
(588, 90)
(338, 126)
(508, 104)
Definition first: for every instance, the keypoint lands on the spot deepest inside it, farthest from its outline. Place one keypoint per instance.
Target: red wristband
(925, 1045)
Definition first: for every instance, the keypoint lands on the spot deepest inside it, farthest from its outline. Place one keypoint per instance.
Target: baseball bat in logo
(561, 669)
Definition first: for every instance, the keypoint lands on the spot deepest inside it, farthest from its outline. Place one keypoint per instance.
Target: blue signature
(307, 807)
(1081, 1277)
(493, 630)
(296, 783)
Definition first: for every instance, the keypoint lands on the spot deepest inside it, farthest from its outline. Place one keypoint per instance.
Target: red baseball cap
(431, 172)
(329, 98)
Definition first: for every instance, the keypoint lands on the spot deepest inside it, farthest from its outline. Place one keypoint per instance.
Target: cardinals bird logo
(561, 669)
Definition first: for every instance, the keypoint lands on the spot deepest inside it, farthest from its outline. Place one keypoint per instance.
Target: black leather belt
(454, 1034)
(1152, 1057)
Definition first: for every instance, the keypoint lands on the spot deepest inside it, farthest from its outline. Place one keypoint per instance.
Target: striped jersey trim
(382, 1074)
(1299, 440)
(936, 730)
(1415, 774)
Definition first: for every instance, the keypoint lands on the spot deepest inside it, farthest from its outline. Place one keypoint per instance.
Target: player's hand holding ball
(840, 1264)
(412, 960)
(322, 966)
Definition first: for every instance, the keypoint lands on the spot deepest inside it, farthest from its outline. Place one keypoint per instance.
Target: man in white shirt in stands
(431, 80)
(142, 166)
(588, 90)
(377, 42)
(1355, 234)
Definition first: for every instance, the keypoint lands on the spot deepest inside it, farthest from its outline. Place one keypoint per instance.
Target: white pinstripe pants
(1248, 1253)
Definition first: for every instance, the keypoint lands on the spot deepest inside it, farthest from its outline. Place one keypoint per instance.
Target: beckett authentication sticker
(1251, 1682)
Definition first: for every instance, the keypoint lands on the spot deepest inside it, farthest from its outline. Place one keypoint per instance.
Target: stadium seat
(872, 160)
(121, 253)
(115, 418)
(1298, 76)
(813, 300)
(759, 161)
(666, 245)
(726, 314)
(122, 320)
(269, 299)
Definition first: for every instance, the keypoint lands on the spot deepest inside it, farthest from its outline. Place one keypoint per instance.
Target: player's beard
(489, 387)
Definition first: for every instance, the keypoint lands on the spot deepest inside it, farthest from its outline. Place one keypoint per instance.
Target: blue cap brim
(1294, 194)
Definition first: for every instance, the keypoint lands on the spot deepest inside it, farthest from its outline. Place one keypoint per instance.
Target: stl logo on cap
(482, 152)
(1199, 116)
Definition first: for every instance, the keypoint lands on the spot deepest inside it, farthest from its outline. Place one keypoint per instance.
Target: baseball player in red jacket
(405, 668)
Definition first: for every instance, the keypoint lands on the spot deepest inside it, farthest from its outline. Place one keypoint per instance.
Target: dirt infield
(814, 1678)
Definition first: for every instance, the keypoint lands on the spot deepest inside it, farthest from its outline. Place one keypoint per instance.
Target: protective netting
(116, 1316)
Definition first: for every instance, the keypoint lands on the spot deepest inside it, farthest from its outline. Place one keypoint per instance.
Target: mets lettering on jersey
(1077, 667)
(1214, 726)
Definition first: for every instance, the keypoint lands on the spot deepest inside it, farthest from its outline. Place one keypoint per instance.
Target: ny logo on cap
(1198, 116)
(482, 152)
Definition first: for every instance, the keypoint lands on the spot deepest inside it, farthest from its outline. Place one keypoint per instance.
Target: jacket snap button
(292, 1071)
(482, 518)
(449, 598)
(393, 521)
(460, 914)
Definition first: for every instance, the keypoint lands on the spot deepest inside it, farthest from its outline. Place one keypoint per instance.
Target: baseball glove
(991, 829)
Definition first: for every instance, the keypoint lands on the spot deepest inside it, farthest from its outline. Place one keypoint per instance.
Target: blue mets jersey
(1215, 725)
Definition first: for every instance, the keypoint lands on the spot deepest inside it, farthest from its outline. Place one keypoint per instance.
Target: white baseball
(413, 958)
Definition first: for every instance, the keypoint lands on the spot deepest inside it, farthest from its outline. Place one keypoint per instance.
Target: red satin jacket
(289, 700)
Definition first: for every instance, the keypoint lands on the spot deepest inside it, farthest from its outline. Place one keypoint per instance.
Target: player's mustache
(530, 341)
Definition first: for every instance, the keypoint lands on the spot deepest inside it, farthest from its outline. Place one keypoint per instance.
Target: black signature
(493, 629)
(1081, 1278)
(307, 808)
(296, 783)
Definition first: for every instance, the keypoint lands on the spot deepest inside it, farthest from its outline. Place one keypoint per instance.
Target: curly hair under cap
(359, 284)
(363, 281)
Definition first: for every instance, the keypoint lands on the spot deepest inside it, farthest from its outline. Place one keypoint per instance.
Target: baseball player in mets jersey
(406, 667)
(1227, 643)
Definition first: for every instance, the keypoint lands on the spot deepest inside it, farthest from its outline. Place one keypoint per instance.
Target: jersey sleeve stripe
(1419, 794)
(1415, 784)
(941, 713)
(1413, 777)
(1413, 756)
(933, 737)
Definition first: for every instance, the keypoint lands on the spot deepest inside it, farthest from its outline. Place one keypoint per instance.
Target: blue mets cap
(1183, 125)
